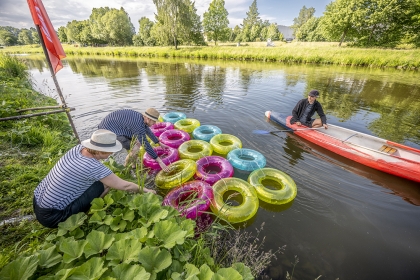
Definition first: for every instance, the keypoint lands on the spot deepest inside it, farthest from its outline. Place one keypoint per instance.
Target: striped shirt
(71, 176)
(130, 124)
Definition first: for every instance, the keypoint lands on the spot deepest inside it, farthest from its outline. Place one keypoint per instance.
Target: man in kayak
(128, 124)
(306, 108)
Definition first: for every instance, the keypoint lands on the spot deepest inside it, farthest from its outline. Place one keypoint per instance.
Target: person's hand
(162, 165)
(325, 126)
(298, 123)
(164, 145)
(146, 190)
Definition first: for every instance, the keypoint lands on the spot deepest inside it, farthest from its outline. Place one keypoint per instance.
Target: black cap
(314, 92)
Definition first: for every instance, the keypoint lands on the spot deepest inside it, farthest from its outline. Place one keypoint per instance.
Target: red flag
(52, 43)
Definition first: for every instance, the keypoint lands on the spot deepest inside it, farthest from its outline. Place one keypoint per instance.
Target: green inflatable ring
(194, 149)
(234, 214)
(181, 171)
(224, 143)
(284, 195)
(187, 125)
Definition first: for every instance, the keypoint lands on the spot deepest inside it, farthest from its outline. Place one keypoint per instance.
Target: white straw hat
(104, 141)
(152, 113)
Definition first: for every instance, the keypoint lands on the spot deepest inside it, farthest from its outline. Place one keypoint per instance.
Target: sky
(16, 12)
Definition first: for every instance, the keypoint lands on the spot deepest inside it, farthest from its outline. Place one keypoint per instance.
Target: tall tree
(343, 19)
(97, 25)
(194, 34)
(215, 21)
(235, 33)
(62, 35)
(251, 25)
(25, 37)
(174, 17)
(7, 38)
(309, 32)
(118, 26)
(35, 36)
(144, 37)
(304, 15)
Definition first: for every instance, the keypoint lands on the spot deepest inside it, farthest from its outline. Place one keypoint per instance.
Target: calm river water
(348, 221)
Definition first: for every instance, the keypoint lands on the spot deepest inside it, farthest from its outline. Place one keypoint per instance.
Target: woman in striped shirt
(78, 178)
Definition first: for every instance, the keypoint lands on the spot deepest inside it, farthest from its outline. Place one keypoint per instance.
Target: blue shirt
(70, 177)
(130, 123)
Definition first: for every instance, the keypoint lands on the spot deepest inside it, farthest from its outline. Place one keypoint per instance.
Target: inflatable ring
(160, 127)
(187, 125)
(181, 171)
(285, 194)
(235, 214)
(224, 143)
(191, 199)
(206, 132)
(213, 168)
(246, 159)
(168, 156)
(195, 149)
(174, 138)
(173, 117)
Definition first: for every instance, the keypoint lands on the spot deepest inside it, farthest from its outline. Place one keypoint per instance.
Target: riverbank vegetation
(123, 236)
(295, 52)
(367, 23)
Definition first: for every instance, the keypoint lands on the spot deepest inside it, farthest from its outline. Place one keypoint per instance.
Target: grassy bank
(124, 236)
(295, 52)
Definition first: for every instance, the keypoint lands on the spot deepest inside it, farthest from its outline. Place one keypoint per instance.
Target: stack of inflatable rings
(284, 195)
(221, 165)
(168, 156)
(174, 138)
(206, 132)
(234, 214)
(187, 125)
(195, 149)
(191, 199)
(224, 143)
(173, 117)
(160, 127)
(181, 171)
(246, 159)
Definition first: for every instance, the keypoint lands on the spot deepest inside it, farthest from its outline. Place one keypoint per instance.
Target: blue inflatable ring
(246, 159)
(206, 132)
(173, 117)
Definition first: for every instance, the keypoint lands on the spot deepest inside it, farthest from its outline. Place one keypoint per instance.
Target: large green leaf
(151, 215)
(92, 269)
(125, 250)
(20, 269)
(72, 249)
(243, 270)
(118, 224)
(98, 217)
(127, 271)
(73, 222)
(49, 257)
(205, 273)
(228, 274)
(154, 260)
(97, 242)
(169, 233)
(128, 215)
(191, 271)
(188, 225)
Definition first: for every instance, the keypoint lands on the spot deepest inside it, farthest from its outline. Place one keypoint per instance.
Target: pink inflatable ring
(174, 138)
(160, 127)
(210, 169)
(167, 155)
(191, 199)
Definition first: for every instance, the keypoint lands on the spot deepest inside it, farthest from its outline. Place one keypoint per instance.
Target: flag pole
(57, 86)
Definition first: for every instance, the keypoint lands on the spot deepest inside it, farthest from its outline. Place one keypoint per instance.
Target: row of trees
(176, 22)
(385, 23)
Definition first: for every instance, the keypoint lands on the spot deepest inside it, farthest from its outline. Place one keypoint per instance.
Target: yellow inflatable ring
(285, 194)
(187, 125)
(234, 214)
(181, 171)
(224, 143)
(195, 149)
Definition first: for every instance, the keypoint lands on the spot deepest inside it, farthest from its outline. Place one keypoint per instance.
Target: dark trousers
(50, 217)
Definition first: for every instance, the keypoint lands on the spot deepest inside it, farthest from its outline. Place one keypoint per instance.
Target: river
(348, 221)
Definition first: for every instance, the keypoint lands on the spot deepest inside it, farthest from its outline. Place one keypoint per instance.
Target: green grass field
(295, 52)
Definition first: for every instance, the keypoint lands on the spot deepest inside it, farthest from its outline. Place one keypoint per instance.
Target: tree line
(367, 23)
(384, 23)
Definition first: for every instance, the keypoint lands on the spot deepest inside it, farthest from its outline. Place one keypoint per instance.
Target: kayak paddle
(285, 130)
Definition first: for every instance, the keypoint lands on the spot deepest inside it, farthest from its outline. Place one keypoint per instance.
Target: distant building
(286, 31)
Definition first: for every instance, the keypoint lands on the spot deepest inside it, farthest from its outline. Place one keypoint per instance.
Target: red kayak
(378, 153)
